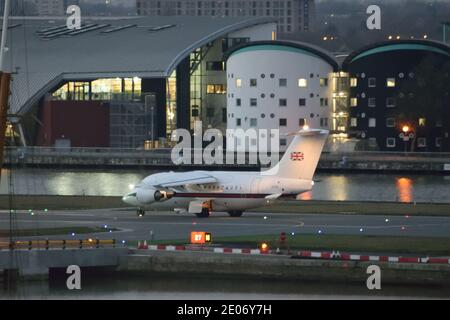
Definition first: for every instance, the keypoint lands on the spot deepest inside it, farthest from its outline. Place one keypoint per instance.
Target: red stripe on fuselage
(226, 195)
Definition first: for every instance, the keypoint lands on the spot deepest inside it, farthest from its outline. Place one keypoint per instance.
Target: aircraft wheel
(204, 214)
(140, 212)
(235, 213)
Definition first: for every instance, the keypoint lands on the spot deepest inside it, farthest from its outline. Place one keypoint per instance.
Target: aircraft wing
(178, 179)
(273, 196)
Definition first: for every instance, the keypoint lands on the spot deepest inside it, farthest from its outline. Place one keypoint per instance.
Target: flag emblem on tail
(297, 156)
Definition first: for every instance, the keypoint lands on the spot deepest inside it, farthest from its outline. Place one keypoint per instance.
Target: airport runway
(168, 225)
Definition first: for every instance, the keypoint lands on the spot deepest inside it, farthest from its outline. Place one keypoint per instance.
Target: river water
(329, 186)
(165, 287)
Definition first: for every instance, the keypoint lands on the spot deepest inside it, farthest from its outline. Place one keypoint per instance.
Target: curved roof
(41, 55)
(299, 47)
(396, 45)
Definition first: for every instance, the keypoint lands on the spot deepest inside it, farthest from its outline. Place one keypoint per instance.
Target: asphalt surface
(169, 225)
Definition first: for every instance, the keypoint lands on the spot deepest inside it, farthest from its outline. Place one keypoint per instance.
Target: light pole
(406, 135)
(405, 130)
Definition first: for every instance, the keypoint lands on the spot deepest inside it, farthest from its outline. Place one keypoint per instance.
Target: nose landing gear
(140, 212)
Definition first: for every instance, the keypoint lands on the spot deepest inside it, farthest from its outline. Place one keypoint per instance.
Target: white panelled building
(276, 84)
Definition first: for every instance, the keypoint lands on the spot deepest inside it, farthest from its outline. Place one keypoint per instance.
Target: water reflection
(405, 189)
(161, 286)
(328, 186)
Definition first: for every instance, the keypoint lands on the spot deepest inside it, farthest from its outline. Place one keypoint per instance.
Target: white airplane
(204, 192)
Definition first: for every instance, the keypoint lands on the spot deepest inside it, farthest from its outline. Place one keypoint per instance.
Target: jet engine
(152, 195)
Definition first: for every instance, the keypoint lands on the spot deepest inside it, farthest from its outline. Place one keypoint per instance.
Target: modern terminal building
(383, 77)
(277, 84)
(129, 82)
(121, 82)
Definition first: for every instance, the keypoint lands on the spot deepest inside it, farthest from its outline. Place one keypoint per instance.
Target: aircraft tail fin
(302, 155)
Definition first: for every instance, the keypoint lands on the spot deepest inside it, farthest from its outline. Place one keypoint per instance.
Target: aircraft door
(255, 185)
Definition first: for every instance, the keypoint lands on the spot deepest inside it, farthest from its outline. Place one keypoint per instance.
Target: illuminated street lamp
(405, 129)
(406, 134)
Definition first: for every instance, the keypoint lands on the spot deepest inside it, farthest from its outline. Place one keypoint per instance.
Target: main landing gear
(204, 214)
(140, 212)
(235, 213)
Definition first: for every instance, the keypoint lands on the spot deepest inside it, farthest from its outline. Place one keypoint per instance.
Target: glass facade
(100, 89)
(171, 103)
(196, 104)
(129, 115)
(341, 87)
(129, 122)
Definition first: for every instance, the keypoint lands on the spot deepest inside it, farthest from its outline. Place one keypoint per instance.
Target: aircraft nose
(130, 198)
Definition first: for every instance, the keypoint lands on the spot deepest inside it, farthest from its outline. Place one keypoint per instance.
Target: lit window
(390, 122)
(283, 82)
(422, 122)
(372, 82)
(372, 102)
(238, 83)
(324, 82)
(390, 82)
(353, 122)
(390, 142)
(353, 102)
(215, 89)
(390, 102)
(372, 122)
(353, 82)
(422, 142)
(302, 83)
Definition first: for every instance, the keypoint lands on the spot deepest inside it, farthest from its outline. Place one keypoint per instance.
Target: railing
(57, 244)
(166, 152)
